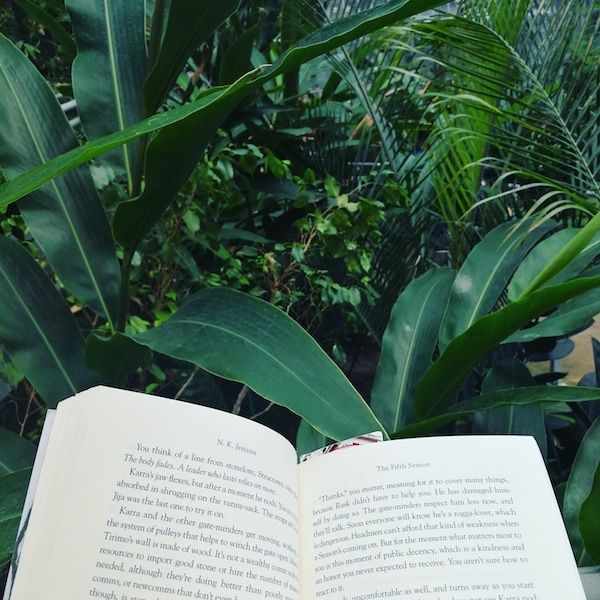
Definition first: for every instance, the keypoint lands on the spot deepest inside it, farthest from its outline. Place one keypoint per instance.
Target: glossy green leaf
(189, 23)
(589, 520)
(446, 374)
(237, 58)
(109, 71)
(485, 274)
(580, 485)
(566, 255)
(326, 39)
(37, 328)
(408, 345)
(14, 490)
(498, 399)
(543, 252)
(16, 453)
(514, 419)
(65, 217)
(241, 338)
(309, 439)
(116, 357)
(565, 319)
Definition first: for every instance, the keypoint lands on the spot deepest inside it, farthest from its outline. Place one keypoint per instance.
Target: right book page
(445, 518)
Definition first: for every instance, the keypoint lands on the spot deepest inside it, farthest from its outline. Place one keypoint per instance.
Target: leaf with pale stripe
(109, 70)
(66, 216)
(37, 328)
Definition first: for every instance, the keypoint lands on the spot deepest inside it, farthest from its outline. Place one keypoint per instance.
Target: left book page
(143, 498)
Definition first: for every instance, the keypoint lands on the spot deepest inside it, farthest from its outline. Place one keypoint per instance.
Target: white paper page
(446, 518)
(147, 499)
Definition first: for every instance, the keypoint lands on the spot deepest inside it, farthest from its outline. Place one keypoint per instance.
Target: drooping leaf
(320, 42)
(37, 328)
(66, 216)
(241, 338)
(514, 419)
(446, 374)
(541, 394)
(589, 520)
(116, 357)
(188, 24)
(16, 453)
(109, 71)
(14, 489)
(408, 345)
(485, 274)
(580, 485)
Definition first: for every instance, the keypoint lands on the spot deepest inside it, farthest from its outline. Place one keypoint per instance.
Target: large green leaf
(16, 453)
(546, 250)
(499, 399)
(446, 374)
(14, 489)
(189, 23)
(37, 328)
(109, 71)
(320, 42)
(65, 217)
(580, 485)
(241, 338)
(589, 520)
(513, 419)
(408, 345)
(485, 274)
(565, 319)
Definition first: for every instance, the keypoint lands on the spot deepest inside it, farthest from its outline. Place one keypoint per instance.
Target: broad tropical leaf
(65, 217)
(589, 520)
(109, 71)
(408, 345)
(309, 439)
(501, 398)
(241, 338)
(485, 274)
(446, 374)
(513, 419)
(37, 328)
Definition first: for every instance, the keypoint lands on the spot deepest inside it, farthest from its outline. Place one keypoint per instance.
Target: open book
(143, 498)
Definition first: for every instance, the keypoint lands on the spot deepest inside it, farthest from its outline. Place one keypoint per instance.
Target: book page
(445, 518)
(143, 498)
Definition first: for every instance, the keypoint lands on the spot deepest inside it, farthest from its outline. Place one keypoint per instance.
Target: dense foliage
(417, 190)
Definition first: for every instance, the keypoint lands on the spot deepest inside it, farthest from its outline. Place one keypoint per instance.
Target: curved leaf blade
(309, 439)
(109, 70)
(66, 217)
(241, 338)
(408, 345)
(327, 39)
(522, 397)
(485, 274)
(37, 328)
(446, 374)
(580, 485)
